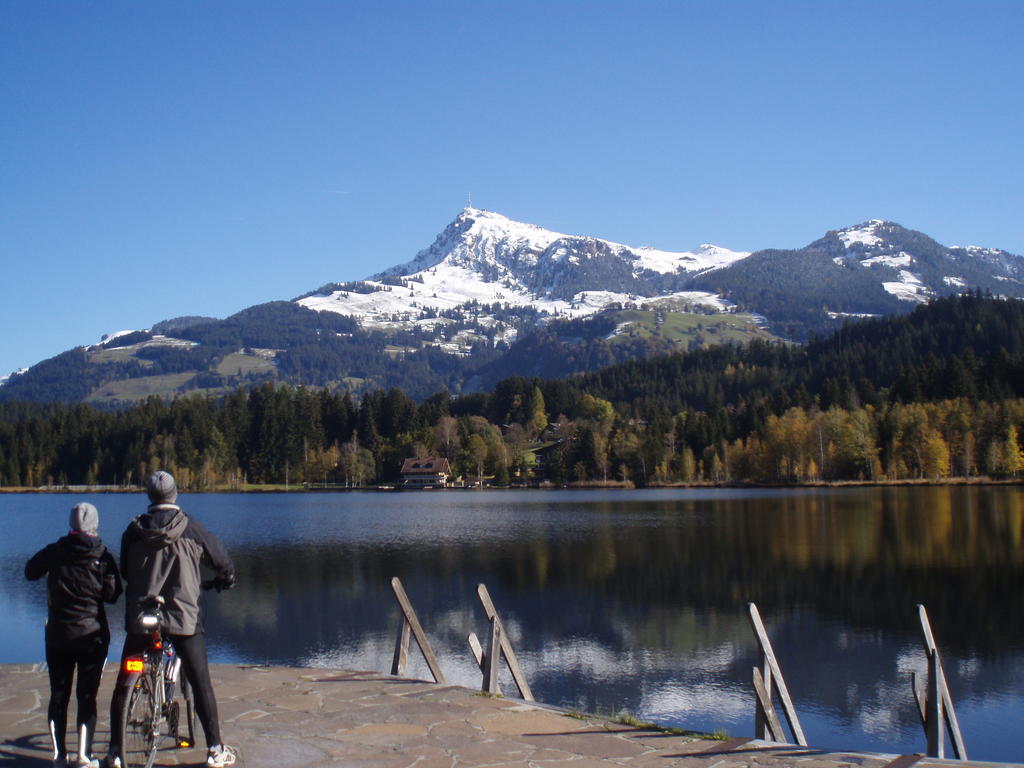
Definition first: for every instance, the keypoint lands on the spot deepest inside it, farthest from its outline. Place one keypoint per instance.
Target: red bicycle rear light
(134, 664)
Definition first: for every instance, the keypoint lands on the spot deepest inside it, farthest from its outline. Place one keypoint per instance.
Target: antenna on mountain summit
(469, 202)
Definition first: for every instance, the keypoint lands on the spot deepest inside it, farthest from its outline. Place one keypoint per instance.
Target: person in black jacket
(161, 554)
(81, 577)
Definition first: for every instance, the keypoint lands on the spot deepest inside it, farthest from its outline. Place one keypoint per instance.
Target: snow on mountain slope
(9, 376)
(487, 258)
(887, 248)
(862, 234)
(479, 237)
(487, 277)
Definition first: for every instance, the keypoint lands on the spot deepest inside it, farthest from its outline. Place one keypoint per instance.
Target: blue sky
(161, 159)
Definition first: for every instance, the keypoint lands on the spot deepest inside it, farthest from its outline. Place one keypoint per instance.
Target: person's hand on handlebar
(225, 581)
(221, 582)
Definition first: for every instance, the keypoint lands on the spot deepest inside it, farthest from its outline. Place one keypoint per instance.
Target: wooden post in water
(770, 729)
(766, 724)
(937, 707)
(411, 624)
(498, 645)
(481, 661)
(492, 662)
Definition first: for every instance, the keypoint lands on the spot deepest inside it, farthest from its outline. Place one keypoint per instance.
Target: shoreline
(576, 486)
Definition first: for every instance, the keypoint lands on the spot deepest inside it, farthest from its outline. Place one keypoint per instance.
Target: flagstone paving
(307, 718)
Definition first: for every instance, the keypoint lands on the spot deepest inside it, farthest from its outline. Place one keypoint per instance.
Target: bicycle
(150, 705)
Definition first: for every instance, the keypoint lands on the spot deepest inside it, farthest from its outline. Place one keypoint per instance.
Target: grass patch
(632, 721)
(140, 388)
(122, 355)
(625, 718)
(684, 328)
(241, 364)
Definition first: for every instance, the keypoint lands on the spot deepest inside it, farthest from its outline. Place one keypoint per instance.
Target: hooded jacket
(81, 577)
(161, 554)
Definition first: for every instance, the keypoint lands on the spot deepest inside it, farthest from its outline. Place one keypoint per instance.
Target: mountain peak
(866, 234)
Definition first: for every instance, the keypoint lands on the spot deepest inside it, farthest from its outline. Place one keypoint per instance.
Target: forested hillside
(968, 346)
(796, 288)
(934, 393)
(278, 341)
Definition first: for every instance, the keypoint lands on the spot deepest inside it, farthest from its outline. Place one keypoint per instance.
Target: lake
(619, 601)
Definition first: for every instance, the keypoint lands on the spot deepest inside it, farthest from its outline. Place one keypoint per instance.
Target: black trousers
(87, 655)
(191, 650)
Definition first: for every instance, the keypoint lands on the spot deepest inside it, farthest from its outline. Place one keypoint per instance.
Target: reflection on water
(625, 601)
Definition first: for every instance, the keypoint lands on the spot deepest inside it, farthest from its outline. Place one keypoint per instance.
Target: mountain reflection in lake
(624, 601)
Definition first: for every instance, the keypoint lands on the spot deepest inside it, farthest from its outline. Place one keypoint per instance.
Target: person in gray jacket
(161, 554)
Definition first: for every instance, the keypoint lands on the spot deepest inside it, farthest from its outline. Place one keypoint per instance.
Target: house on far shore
(430, 472)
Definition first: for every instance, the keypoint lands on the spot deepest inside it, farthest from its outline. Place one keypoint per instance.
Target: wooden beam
(479, 655)
(920, 697)
(492, 660)
(773, 727)
(761, 729)
(417, 630)
(933, 721)
(506, 647)
(948, 710)
(769, 656)
(401, 648)
(476, 648)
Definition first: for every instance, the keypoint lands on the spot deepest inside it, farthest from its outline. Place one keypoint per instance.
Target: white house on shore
(429, 472)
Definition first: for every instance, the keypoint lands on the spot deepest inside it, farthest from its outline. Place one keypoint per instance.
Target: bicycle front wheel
(140, 722)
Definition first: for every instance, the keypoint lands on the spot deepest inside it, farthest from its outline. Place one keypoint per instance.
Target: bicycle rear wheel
(140, 722)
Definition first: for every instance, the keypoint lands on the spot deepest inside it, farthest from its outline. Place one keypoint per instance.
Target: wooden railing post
(498, 646)
(770, 728)
(763, 682)
(762, 727)
(481, 661)
(492, 662)
(410, 624)
(934, 731)
(937, 708)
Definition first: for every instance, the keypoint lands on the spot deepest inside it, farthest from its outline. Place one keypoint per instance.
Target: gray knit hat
(161, 488)
(84, 518)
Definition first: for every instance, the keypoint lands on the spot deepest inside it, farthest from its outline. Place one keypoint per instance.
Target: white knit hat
(84, 518)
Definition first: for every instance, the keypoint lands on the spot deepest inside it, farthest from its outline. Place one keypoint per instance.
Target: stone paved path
(307, 718)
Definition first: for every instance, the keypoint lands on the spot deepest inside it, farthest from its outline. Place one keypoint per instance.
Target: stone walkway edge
(307, 718)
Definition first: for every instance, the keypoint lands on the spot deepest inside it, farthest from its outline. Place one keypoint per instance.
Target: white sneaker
(220, 755)
(112, 762)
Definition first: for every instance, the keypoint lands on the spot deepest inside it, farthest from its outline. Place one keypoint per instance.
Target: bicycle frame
(150, 679)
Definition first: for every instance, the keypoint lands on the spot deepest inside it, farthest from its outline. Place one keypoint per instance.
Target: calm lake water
(619, 601)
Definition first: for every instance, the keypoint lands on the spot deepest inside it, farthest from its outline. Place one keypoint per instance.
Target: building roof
(426, 466)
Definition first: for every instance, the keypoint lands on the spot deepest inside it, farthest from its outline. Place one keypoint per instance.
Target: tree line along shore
(932, 396)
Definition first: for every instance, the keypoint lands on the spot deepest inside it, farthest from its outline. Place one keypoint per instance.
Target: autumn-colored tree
(447, 434)
(476, 451)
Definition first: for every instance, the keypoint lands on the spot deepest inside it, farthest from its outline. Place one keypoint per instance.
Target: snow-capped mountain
(484, 261)
(912, 267)
(484, 240)
(486, 258)
(492, 297)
